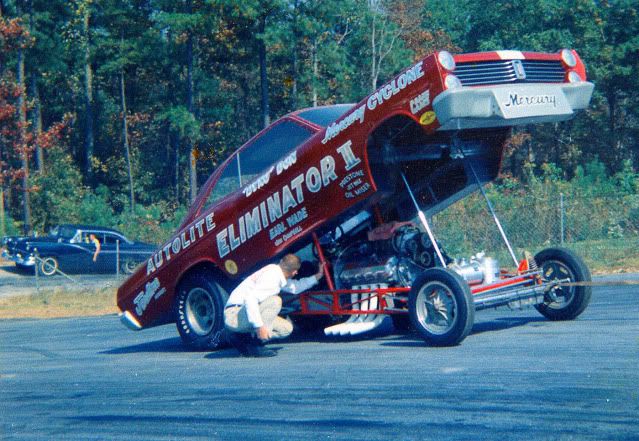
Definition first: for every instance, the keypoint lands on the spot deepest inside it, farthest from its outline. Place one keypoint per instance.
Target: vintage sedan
(353, 187)
(78, 249)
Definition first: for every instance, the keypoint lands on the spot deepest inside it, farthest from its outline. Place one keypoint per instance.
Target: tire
(48, 266)
(128, 266)
(566, 302)
(199, 311)
(441, 307)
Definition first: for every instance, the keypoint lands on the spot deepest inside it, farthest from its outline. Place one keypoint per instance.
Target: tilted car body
(353, 186)
(70, 248)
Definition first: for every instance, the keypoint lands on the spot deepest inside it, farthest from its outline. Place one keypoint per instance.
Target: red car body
(314, 169)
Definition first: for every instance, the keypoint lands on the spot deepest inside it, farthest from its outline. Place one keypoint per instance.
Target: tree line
(115, 111)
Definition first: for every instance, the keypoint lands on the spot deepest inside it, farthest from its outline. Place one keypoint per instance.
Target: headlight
(446, 60)
(452, 82)
(568, 57)
(574, 77)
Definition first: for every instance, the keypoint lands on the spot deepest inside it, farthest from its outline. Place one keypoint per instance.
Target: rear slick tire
(565, 302)
(441, 307)
(199, 311)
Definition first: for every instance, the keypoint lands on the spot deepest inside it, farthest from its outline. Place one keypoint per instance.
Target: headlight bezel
(568, 57)
(574, 77)
(452, 82)
(446, 60)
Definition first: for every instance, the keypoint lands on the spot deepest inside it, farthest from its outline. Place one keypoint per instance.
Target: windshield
(258, 156)
(323, 116)
(63, 231)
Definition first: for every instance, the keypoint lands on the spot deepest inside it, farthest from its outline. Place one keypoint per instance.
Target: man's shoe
(240, 342)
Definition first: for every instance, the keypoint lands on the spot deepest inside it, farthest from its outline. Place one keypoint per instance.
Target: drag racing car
(353, 186)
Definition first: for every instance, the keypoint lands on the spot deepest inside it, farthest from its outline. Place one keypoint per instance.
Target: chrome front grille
(510, 71)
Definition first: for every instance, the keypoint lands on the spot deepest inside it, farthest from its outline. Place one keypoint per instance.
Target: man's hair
(290, 263)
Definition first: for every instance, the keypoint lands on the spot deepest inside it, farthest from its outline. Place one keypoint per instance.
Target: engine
(397, 253)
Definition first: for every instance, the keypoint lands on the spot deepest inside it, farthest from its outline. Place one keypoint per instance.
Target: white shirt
(262, 284)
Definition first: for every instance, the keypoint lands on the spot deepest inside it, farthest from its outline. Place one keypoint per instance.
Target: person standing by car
(251, 312)
(97, 244)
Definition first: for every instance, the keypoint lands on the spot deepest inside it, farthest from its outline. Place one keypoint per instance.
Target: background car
(78, 249)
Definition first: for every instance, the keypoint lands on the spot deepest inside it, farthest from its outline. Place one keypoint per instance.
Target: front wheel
(564, 302)
(48, 266)
(128, 266)
(199, 310)
(441, 307)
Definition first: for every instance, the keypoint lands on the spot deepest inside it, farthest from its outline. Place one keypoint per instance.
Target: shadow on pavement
(13, 269)
(165, 345)
(414, 340)
(504, 323)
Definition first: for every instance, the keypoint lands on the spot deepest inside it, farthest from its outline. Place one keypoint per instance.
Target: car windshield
(323, 116)
(63, 231)
(258, 156)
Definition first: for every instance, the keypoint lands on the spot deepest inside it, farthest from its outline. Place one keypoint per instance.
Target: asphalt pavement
(516, 377)
(15, 281)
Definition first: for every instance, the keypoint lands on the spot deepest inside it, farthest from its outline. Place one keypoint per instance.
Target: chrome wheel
(200, 311)
(436, 308)
(129, 266)
(560, 296)
(48, 266)
(564, 302)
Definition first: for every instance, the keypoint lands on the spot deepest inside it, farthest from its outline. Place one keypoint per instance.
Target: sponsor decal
(420, 102)
(189, 236)
(262, 180)
(427, 118)
(231, 266)
(337, 127)
(517, 100)
(378, 98)
(284, 209)
(258, 183)
(152, 291)
(354, 184)
(396, 85)
(285, 163)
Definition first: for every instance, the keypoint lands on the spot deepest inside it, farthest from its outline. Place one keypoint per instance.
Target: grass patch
(59, 303)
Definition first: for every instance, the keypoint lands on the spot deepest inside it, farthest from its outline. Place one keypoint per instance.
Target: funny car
(353, 186)
(77, 249)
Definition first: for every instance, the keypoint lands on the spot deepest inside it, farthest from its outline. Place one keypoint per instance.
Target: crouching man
(251, 312)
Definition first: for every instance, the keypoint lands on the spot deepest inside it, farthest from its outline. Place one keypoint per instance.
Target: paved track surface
(16, 281)
(517, 376)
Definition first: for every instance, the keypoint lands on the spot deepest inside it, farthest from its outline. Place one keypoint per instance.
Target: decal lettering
(180, 242)
(419, 102)
(351, 176)
(258, 183)
(337, 127)
(297, 217)
(516, 100)
(427, 118)
(396, 85)
(274, 213)
(348, 155)
(313, 180)
(378, 98)
(286, 163)
(152, 291)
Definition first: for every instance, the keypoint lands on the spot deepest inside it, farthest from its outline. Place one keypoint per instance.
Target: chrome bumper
(510, 104)
(130, 321)
(19, 259)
